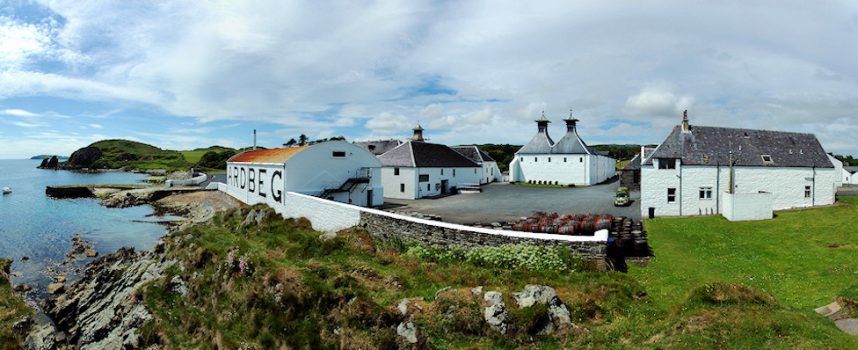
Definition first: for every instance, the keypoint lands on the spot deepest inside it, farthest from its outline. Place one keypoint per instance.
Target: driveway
(505, 202)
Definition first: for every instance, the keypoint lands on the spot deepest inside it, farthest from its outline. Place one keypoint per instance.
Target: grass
(293, 290)
(136, 155)
(12, 309)
(194, 156)
(804, 257)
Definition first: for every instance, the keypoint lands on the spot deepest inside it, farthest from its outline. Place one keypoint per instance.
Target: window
(667, 163)
(767, 159)
(338, 154)
(535, 159)
(454, 172)
(442, 171)
(806, 191)
(564, 159)
(521, 159)
(580, 159)
(424, 178)
(549, 159)
(671, 195)
(396, 171)
(371, 147)
(706, 193)
(401, 187)
(428, 187)
(475, 170)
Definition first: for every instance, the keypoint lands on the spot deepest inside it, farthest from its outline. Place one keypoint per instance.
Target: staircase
(363, 176)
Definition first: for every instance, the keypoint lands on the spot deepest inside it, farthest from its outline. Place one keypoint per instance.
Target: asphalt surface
(505, 202)
(214, 178)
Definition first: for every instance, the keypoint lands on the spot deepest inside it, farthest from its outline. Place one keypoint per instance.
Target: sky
(187, 74)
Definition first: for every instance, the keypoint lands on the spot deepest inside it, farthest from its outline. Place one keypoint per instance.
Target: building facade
(696, 167)
(417, 169)
(569, 161)
(850, 175)
(334, 170)
(490, 171)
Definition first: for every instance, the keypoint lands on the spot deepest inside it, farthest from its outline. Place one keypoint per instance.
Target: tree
(291, 143)
(302, 140)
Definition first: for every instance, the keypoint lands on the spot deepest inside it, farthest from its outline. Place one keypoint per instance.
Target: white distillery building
(490, 171)
(417, 169)
(567, 162)
(850, 175)
(335, 170)
(739, 173)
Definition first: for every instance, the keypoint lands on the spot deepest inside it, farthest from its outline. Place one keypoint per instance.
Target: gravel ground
(505, 202)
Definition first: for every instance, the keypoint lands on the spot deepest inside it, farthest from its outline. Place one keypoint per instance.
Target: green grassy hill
(195, 155)
(276, 284)
(137, 155)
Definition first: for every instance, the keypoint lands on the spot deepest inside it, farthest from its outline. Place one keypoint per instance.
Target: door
(444, 184)
(369, 198)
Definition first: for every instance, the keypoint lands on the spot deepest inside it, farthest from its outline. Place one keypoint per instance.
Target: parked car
(622, 197)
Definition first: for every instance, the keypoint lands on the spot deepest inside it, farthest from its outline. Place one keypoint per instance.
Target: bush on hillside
(215, 159)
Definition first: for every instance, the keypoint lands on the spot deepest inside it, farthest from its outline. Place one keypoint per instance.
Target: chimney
(542, 124)
(571, 123)
(254, 139)
(685, 126)
(418, 133)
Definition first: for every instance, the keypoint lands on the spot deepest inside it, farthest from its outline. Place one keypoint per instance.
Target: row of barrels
(629, 238)
(569, 224)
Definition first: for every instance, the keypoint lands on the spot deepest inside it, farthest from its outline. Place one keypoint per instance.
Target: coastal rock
(41, 337)
(495, 312)
(544, 295)
(103, 310)
(44, 163)
(408, 331)
(84, 157)
(53, 163)
(56, 288)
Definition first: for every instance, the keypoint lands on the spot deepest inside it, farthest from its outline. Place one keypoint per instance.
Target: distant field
(802, 257)
(194, 156)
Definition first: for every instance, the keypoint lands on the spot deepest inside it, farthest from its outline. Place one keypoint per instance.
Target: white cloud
(469, 70)
(18, 113)
(96, 126)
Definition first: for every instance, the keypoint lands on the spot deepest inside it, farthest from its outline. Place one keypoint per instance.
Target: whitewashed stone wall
(787, 186)
(331, 216)
(747, 206)
(414, 188)
(565, 169)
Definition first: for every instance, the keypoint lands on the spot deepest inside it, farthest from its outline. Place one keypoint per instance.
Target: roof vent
(542, 123)
(571, 122)
(685, 126)
(418, 133)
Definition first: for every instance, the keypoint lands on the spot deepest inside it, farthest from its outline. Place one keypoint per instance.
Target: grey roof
(570, 143)
(539, 144)
(378, 147)
(705, 145)
(425, 155)
(474, 153)
(635, 163)
(851, 169)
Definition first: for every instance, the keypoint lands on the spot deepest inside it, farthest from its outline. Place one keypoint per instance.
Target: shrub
(508, 256)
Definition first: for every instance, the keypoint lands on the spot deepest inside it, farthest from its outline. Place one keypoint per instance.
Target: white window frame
(705, 193)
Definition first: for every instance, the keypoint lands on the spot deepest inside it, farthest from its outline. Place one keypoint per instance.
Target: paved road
(214, 178)
(505, 202)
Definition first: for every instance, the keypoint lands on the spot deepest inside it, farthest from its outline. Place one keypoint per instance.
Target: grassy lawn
(804, 258)
(194, 156)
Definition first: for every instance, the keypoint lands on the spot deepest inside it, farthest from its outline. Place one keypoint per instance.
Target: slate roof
(274, 155)
(851, 169)
(571, 143)
(425, 155)
(706, 145)
(635, 163)
(474, 153)
(539, 144)
(378, 147)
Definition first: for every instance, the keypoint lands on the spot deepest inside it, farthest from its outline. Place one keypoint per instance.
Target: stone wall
(390, 228)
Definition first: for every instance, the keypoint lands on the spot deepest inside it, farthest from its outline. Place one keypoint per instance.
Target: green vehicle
(622, 198)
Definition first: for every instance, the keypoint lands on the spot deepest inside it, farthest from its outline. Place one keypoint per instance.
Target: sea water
(41, 228)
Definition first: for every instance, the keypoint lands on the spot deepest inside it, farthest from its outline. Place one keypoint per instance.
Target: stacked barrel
(569, 224)
(629, 238)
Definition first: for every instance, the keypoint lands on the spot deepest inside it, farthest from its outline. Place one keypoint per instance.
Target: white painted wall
(310, 171)
(747, 206)
(838, 169)
(414, 188)
(565, 169)
(849, 178)
(490, 173)
(785, 184)
(331, 216)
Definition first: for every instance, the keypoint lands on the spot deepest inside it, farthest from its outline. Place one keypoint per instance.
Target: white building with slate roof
(569, 161)
(850, 175)
(417, 169)
(490, 171)
(740, 173)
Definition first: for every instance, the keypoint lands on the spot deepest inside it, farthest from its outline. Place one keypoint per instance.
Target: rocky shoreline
(102, 309)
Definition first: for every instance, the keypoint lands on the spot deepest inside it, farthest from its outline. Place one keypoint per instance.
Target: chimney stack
(418, 133)
(542, 123)
(685, 126)
(254, 139)
(571, 123)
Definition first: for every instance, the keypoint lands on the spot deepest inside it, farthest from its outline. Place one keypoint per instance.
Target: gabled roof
(705, 145)
(378, 147)
(474, 153)
(540, 144)
(274, 155)
(851, 169)
(570, 143)
(425, 155)
(635, 163)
